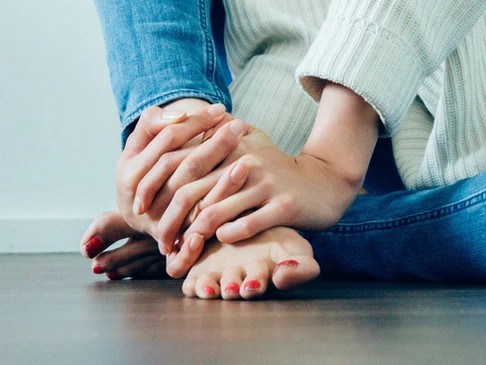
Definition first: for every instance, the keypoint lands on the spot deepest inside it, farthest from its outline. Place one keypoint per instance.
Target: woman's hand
(157, 160)
(259, 187)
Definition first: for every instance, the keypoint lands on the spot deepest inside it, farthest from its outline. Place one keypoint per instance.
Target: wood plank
(54, 311)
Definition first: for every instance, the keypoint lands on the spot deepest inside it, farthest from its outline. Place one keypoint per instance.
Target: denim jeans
(161, 50)
(436, 234)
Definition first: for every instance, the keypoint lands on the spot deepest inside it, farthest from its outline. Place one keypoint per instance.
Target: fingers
(179, 263)
(184, 200)
(209, 154)
(151, 122)
(156, 178)
(175, 136)
(229, 184)
(195, 165)
(105, 230)
(249, 225)
(133, 167)
(211, 218)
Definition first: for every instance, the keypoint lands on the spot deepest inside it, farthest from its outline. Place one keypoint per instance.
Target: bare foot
(278, 257)
(138, 257)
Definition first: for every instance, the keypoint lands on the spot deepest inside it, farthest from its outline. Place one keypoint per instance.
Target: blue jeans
(161, 50)
(435, 235)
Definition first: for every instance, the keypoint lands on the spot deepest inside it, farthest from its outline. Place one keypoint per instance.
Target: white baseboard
(41, 235)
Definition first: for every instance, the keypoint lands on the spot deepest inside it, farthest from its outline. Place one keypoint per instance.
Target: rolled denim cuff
(130, 122)
(159, 51)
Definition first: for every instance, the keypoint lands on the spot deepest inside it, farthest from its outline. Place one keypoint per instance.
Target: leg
(437, 234)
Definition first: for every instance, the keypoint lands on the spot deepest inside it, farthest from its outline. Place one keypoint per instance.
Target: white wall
(59, 134)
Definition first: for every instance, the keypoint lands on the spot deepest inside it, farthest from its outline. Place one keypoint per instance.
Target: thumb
(151, 122)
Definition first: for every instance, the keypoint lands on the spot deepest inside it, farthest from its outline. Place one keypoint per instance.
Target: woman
(401, 59)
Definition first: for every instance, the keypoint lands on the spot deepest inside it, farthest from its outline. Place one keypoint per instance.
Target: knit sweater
(420, 64)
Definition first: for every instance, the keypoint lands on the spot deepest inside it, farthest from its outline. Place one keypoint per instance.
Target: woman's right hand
(157, 150)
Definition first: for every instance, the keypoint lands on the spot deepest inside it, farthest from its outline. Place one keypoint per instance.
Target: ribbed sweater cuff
(367, 58)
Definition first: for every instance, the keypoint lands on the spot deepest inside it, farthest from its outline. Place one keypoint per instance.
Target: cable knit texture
(420, 64)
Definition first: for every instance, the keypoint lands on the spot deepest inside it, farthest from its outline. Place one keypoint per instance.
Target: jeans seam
(208, 44)
(434, 214)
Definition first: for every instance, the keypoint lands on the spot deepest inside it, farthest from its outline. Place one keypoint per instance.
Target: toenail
(286, 263)
(232, 288)
(209, 291)
(98, 269)
(252, 285)
(94, 246)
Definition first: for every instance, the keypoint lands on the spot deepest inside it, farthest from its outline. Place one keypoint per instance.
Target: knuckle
(194, 167)
(127, 183)
(227, 140)
(287, 205)
(208, 217)
(182, 198)
(170, 137)
(149, 113)
(166, 160)
(247, 227)
(251, 160)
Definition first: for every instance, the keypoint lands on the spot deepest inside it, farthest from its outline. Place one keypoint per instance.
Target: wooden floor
(54, 311)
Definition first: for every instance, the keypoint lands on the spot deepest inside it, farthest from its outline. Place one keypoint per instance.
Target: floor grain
(54, 311)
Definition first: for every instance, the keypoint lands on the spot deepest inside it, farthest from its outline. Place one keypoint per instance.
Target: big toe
(294, 271)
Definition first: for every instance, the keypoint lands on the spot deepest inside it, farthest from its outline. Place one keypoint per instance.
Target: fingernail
(239, 172)
(209, 291)
(137, 206)
(252, 285)
(237, 126)
(171, 116)
(286, 263)
(232, 288)
(94, 246)
(97, 269)
(216, 110)
(195, 242)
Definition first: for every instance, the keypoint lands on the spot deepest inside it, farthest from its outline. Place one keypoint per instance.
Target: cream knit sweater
(421, 64)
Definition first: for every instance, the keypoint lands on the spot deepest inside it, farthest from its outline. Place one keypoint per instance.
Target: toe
(207, 286)
(256, 281)
(189, 286)
(294, 271)
(231, 280)
(133, 268)
(104, 231)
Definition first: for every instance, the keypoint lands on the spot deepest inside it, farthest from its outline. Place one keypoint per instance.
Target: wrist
(344, 133)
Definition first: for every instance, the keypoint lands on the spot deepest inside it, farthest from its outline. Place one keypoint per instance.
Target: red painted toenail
(209, 291)
(252, 285)
(94, 246)
(232, 288)
(98, 270)
(286, 263)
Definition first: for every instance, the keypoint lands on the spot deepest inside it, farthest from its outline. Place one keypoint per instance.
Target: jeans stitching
(210, 51)
(411, 219)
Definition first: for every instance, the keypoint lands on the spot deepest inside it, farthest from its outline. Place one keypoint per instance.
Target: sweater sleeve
(384, 49)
